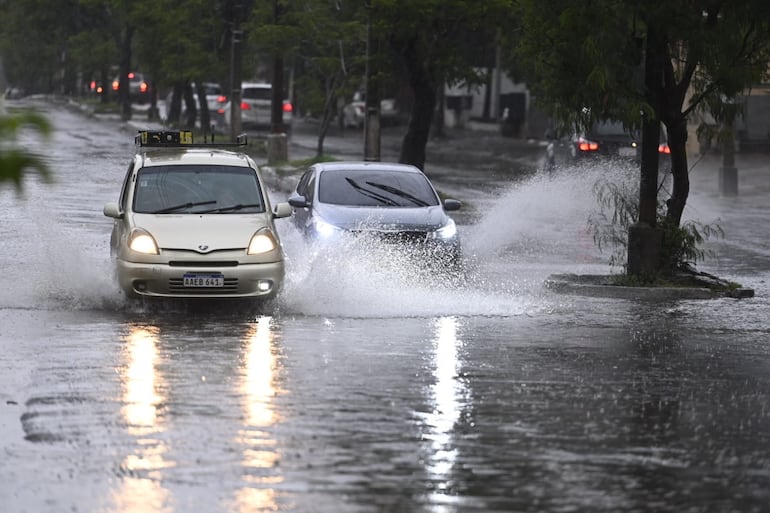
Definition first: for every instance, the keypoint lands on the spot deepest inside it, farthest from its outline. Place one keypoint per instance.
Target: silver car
(256, 101)
(194, 221)
(387, 203)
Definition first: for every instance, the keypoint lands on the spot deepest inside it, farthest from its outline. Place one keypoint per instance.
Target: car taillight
(245, 106)
(663, 148)
(220, 111)
(586, 145)
(287, 107)
(221, 99)
(143, 87)
(131, 75)
(115, 85)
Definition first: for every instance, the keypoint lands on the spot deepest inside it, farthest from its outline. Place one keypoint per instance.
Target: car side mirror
(452, 204)
(282, 210)
(112, 210)
(298, 201)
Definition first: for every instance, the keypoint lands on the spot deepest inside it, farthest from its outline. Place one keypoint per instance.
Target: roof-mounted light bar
(180, 138)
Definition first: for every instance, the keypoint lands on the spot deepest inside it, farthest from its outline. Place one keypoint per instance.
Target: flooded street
(363, 390)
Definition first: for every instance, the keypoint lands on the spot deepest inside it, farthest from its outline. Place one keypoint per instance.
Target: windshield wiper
(371, 194)
(239, 206)
(398, 192)
(183, 206)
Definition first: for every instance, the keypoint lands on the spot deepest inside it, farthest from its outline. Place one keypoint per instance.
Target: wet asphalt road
(365, 391)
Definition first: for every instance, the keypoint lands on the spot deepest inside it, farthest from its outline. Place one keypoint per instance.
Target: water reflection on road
(143, 487)
(258, 390)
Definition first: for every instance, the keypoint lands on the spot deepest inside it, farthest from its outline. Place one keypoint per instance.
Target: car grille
(176, 286)
(203, 263)
(406, 237)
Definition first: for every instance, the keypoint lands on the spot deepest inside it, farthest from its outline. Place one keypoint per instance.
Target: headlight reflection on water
(144, 490)
(447, 398)
(257, 391)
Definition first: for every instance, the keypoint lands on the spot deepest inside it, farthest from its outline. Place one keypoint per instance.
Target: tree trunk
(677, 140)
(174, 110)
(418, 130)
(124, 92)
(153, 113)
(203, 104)
(191, 111)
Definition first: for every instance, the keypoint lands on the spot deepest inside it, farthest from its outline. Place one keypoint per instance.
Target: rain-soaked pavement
(364, 391)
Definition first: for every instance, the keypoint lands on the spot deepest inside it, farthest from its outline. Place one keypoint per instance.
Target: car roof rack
(181, 139)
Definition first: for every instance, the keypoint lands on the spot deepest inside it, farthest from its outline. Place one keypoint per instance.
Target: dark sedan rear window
(375, 189)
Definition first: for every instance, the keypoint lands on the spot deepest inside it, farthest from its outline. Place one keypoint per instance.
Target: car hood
(196, 232)
(383, 218)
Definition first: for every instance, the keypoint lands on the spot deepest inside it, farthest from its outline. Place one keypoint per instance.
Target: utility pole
(277, 143)
(372, 115)
(645, 240)
(236, 58)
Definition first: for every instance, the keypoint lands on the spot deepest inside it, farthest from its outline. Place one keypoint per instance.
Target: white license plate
(204, 280)
(627, 152)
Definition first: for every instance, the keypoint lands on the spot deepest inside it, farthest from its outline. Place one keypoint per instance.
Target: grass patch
(682, 279)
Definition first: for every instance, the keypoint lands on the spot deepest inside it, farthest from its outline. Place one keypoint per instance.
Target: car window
(257, 93)
(123, 201)
(212, 89)
(195, 189)
(302, 184)
(375, 188)
(310, 189)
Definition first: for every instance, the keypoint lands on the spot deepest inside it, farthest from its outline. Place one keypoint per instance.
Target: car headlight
(142, 242)
(324, 229)
(447, 231)
(262, 242)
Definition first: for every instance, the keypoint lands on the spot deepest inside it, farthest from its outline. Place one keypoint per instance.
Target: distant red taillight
(115, 85)
(584, 145)
(663, 148)
(143, 87)
(221, 99)
(245, 106)
(287, 107)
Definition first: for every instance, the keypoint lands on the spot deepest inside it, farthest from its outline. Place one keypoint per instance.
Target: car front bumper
(262, 280)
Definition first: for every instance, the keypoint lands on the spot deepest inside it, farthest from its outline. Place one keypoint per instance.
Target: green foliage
(15, 161)
(619, 208)
(578, 73)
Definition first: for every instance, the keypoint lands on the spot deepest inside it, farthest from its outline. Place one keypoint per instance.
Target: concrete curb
(601, 286)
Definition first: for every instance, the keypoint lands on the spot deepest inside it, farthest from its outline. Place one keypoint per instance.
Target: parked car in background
(384, 203)
(354, 113)
(194, 221)
(256, 101)
(138, 87)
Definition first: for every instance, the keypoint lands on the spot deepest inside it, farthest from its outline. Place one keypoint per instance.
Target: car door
(119, 227)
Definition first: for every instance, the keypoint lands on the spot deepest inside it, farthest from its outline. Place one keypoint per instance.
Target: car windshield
(375, 188)
(197, 189)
